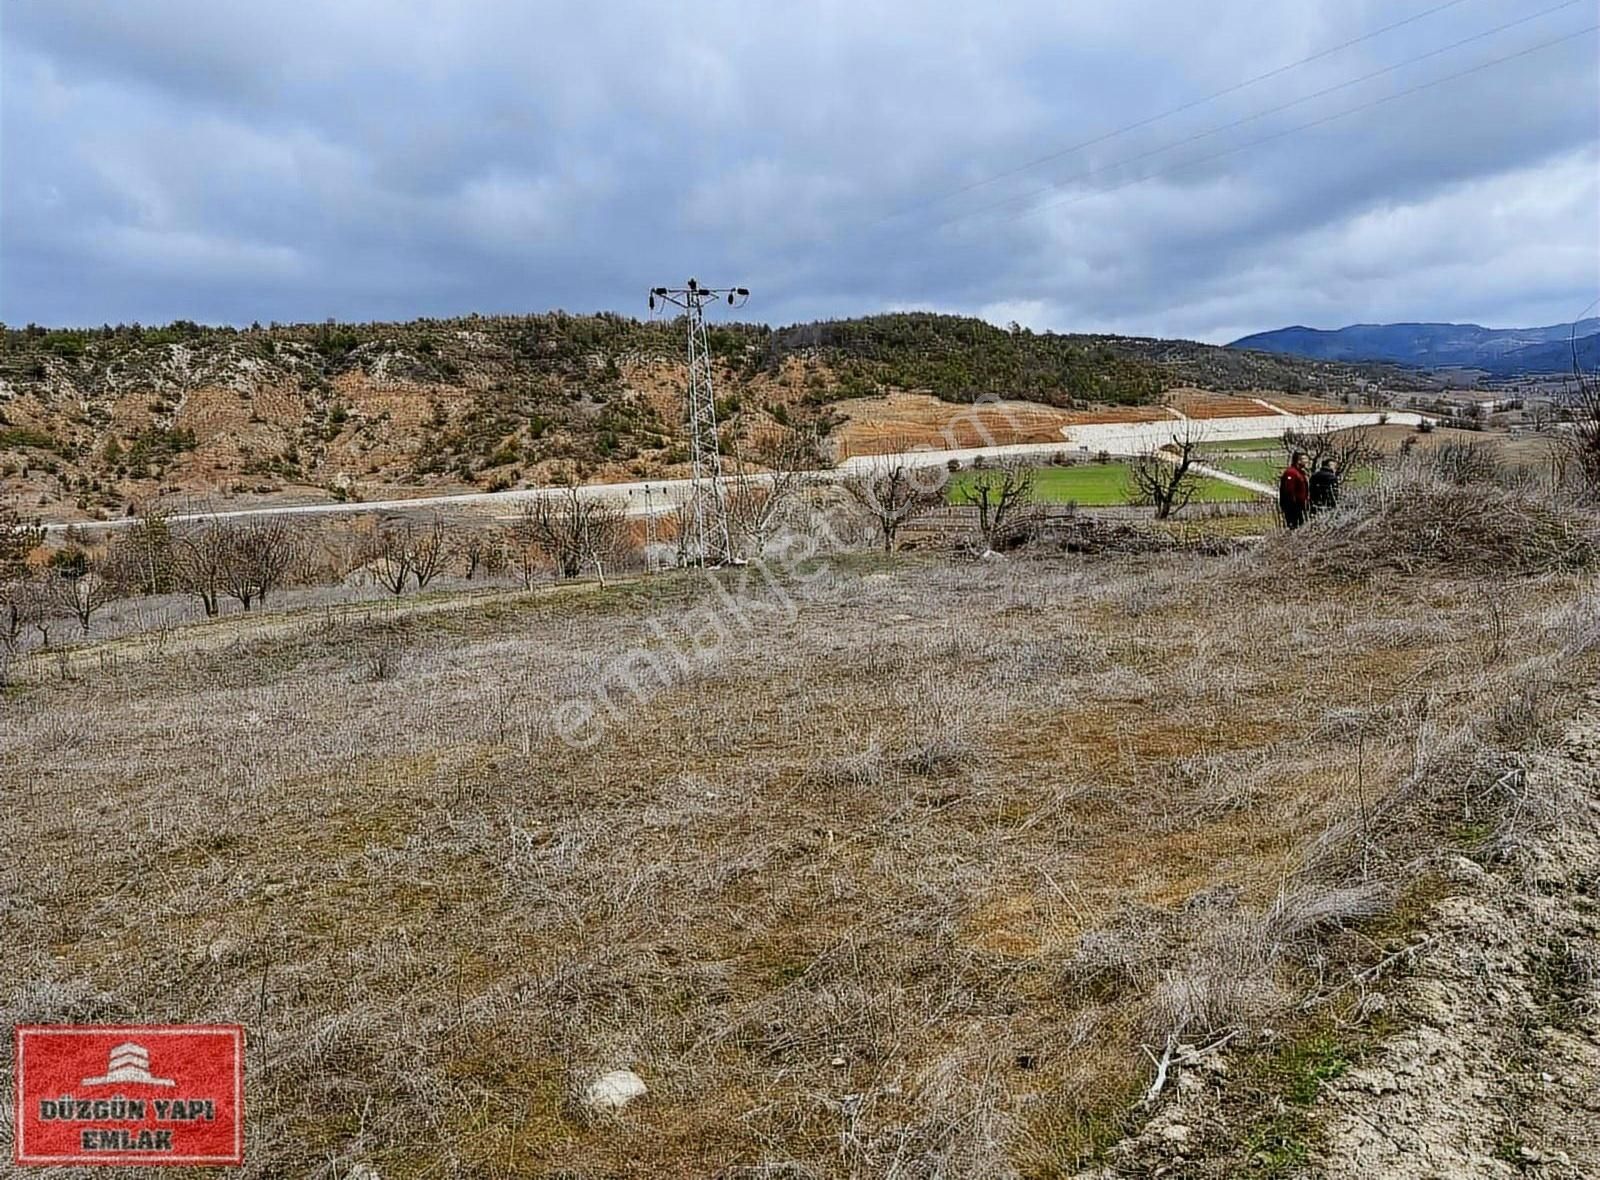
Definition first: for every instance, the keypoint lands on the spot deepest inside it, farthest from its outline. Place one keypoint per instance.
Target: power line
(1240, 122)
(1237, 148)
(1177, 110)
(712, 546)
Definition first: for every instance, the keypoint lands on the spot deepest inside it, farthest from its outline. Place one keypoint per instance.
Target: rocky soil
(1494, 1070)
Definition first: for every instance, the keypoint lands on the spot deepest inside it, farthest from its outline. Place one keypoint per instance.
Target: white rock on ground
(614, 1090)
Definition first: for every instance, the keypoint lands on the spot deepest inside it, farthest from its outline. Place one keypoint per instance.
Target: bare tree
(1579, 445)
(14, 602)
(522, 548)
(83, 593)
(390, 558)
(757, 503)
(400, 552)
(480, 549)
(18, 538)
(1351, 448)
(1168, 477)
(1003, 496)
(893, 493)
(258, 556)
(430, 550)
(200, 560)
(40, 605)
(573, 531)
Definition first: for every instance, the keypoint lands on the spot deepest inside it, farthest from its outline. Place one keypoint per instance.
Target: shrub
(1465, 463)
(28, 436)
(1415, 523)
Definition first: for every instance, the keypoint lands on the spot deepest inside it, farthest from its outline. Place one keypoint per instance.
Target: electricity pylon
(712, 544)
(649, 532)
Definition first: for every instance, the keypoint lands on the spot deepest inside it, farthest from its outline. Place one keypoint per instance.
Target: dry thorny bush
(898, 887)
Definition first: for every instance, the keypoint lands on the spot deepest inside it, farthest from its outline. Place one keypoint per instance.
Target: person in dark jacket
(1325, 486)
(1294, 491)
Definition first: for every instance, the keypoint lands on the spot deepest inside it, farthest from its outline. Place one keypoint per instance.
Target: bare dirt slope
(901, 420)
(1492, 1069)
(1499, 1074)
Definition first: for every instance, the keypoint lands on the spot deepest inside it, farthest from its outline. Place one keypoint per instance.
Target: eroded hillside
(94, 420)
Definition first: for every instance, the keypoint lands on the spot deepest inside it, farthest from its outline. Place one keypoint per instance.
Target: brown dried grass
(975, 831)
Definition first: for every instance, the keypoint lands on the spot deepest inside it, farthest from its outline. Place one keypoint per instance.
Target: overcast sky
(385, 159)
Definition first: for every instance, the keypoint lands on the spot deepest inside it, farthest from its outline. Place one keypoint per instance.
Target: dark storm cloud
(233, 162)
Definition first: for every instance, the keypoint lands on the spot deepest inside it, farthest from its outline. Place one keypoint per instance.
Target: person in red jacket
(1294, 491)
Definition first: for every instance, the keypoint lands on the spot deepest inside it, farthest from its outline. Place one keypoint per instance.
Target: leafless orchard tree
(1351, 449)
(14, 604)
(430, 551)
(522, 548)
(41, 605)
(1003, 496)
(200, 557)
(400, 552)
(480, 549)
(389, 558)
(1167, 478)
(257, 557)
(429, 545)
(893, 493)
(758, 503)
(18, 538)
(82, 594)
(573, 531)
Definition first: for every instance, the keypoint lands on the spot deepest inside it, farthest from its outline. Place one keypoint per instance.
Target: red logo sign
(130, 1094)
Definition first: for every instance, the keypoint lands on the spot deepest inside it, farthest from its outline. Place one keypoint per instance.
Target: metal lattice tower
(712, 544)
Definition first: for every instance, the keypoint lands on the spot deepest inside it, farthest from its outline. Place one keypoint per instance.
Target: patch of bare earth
(1487, 1060)
(1497, 1073)
(900, 420)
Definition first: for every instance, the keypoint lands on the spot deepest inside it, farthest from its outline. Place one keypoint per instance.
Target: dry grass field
(914, 879)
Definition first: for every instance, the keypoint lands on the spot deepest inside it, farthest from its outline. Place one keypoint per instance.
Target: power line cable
(1287, 131)
(1240, 122)
(1167, 114)
(1366, 106)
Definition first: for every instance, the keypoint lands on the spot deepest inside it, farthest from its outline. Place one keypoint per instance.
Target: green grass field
(1094, 485)
(1267, 471)
(1264, 470)
(1273, 443)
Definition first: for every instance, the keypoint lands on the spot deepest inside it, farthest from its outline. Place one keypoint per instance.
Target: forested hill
(112, 414)
(1498, 350)
(957, 358)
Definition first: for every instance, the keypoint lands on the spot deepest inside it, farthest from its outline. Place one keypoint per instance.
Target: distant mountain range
(1468, 346)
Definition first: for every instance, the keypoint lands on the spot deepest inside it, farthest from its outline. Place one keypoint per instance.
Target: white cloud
(401, 157)
(184, 254)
